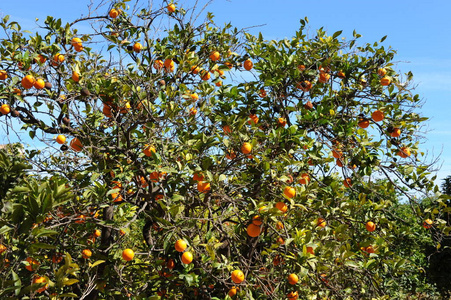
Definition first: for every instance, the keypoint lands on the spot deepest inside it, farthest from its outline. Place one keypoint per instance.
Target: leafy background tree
(200, 161)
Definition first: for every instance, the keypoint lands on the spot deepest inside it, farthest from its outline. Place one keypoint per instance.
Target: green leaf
(337, 34)
(70, 281)
(72, 295)
(42, 246)
(4, 229)
(17, 283)
(96, 263)
(44, 232)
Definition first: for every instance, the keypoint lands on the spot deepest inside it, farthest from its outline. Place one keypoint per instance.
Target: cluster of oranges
(187, 256)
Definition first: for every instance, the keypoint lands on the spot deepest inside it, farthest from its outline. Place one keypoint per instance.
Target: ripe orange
(257, 220)
(219, 71)
(377, 115)
(75, 76)
(396, 132)
(2, 248)
(128, 254)
(205, 75)
(203, 186)
(305, 178)
(58, 59)
(180, 245)
(39, 84)
(262, 93)
(3, 75)
(76, 42)
(310, 250)
(76, 145)
(28, 82)
(41, 59)
(137, 47)
(169, 65)
(304, 86)
(5, 109)
(158, 64)
(280, 241)
(40, 279)
(279, 225)
(293, 295)
(194, 96)
(232, 292)
(321, 222)
(364, 123)
(170, 8)
(195, 70)
(385, 81)
(114, 13)
(33, 264)
(404, 152)
(214, 55)
(253, 119)
(289, 191)
(370, 226)
(248, 64)
(187, 258)
(301, 68)
(369, 249)
(246, 148)
(237, 276)
(148, 150)
(341, 75)
(86, 253)
(253, 230)
(381, 72)
(198, 177)
(282, 207)
(97, 233)
(324, 77)
(282, 122)
(347, 182)
(61, 139)
(428, 223)
(293, 279)
(78, 48)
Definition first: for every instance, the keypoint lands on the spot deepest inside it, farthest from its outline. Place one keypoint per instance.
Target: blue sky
(420, 32)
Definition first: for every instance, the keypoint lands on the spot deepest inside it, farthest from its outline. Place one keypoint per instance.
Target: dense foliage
(280, 164)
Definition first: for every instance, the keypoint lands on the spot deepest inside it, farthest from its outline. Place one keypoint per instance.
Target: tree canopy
(197, 161)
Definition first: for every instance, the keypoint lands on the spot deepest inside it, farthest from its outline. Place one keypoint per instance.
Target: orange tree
(200, 161)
